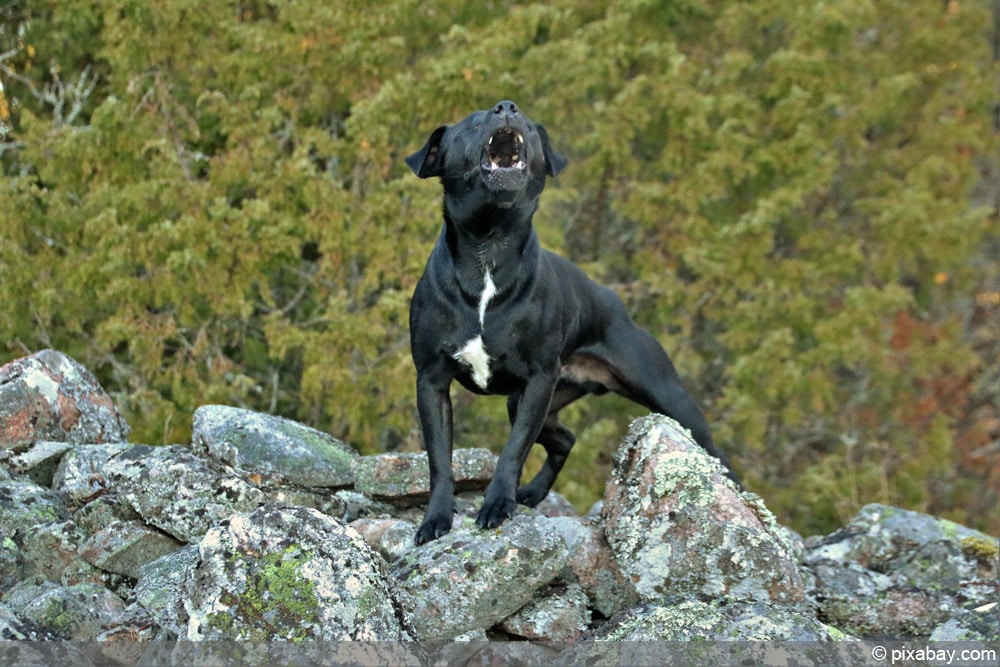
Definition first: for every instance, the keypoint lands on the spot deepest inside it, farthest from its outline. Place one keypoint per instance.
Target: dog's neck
(498, 247)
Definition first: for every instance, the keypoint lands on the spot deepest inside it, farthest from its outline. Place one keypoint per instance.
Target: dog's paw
(495, 512)
(531, 495)
(432, 528)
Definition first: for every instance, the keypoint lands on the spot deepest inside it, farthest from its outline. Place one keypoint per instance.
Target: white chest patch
(473, 353)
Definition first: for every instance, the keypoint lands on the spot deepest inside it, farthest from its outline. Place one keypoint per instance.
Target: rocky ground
(263, 529)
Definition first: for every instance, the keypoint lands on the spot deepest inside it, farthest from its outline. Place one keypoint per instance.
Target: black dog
(502, 316)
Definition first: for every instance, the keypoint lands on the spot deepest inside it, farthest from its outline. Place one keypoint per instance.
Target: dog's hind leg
(649, 378)
(555, 438)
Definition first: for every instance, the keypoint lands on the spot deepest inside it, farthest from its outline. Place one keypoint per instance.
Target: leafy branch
(66, 99)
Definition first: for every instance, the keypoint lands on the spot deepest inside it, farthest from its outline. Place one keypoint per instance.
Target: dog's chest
(473, 353)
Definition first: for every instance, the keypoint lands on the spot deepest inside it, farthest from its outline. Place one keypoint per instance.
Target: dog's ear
(429, 160)
(554, 162)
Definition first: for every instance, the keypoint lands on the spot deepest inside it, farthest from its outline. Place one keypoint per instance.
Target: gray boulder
(48, 396)
(80, 476)
(37, 461)
(471, 578)
(80, 611)
(676, 525)
(37, 536)
(160, 590)
(686, 619)
(391, 538)
(592, 565)
(177, 491)
(123, 547)
(289, 574)
(404, 478)
(557, 613)
(273, 446)
(980, 624)
(898, 573)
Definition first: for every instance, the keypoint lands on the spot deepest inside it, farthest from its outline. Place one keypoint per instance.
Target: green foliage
(782, 195)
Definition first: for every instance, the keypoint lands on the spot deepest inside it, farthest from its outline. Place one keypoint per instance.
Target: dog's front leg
(532, 407)
(434, 407)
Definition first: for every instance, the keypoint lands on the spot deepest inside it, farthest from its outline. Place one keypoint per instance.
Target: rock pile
(264, 529)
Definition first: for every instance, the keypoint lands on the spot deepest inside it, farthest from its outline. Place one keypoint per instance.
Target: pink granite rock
(48, 396)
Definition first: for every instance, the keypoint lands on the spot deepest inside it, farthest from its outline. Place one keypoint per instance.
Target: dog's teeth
(491, 141)
(515, 158)
(520, 139)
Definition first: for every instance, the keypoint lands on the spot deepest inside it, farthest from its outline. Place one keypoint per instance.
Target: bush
(206, 202)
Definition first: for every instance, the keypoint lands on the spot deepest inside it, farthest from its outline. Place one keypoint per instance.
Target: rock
(674, 552)
(178, 492)
(289, 574)
(406, 477)
(980, 624)
(52, 551)
(80, 476)
(73, 612)
(160, 589)
(123, 547)
(270, 446)
(123, 641)
(556, 505)
(36, 534)
(37, 461)
(679, 619)
(721, 631)
(472, 578)
(676, 525)
(556, 614)
(356, 506)
(391, 538)
(13, 628)
(899, 573)
(591, 563)
(48, 396)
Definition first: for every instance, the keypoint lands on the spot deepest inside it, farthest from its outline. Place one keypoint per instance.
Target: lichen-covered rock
(29, 513)
(592, 565)
(683, 631)
(80, 476)
(273, 446)
(556, 614)
(471, 578)
(289, 574)
(899, 573)
(37, 461)
(52, 550)
(406, 477)
(178, 492)
(160, 589)
(77, 612)
(556, 505)
(391, 538)
(677, 526)
(13, 628)
(123, 547)
(48, 396)
(981, 624)
(678, 619)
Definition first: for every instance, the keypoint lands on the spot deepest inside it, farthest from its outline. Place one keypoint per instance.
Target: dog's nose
(505, 108)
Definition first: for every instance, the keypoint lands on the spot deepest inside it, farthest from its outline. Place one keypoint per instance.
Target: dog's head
(499, 153)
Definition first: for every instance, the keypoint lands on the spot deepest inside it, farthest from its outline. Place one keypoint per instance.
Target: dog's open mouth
(504, 150)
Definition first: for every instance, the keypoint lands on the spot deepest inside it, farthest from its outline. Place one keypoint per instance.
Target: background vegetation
(206, 202)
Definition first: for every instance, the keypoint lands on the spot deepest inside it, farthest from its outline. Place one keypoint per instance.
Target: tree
(782, 195)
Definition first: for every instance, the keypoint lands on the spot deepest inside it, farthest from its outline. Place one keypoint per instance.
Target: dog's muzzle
(503, 163)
